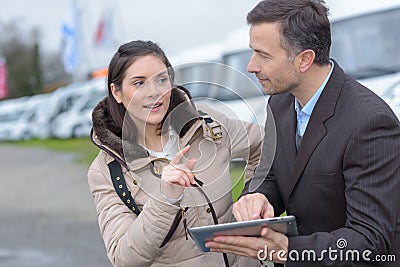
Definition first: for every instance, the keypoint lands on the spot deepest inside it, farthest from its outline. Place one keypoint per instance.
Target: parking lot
(47, 213)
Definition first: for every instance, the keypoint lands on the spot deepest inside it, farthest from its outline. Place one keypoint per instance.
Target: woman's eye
(138, 83)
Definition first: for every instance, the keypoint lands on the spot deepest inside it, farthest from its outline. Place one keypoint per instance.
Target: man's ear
(305, 60)
(116, 93)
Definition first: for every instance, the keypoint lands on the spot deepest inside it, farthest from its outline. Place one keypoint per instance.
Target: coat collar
(108, 136)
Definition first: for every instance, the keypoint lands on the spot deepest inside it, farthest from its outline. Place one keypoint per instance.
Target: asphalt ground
(47, 215)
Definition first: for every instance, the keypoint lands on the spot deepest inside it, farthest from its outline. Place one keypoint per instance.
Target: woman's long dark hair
(122, 59)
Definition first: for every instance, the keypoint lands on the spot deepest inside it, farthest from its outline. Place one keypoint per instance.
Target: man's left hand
(271, 242)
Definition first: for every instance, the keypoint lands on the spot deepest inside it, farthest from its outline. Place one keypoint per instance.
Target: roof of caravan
(344, 9)
(209, 52)
(236, 40)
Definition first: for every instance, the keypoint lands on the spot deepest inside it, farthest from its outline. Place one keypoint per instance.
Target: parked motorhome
(76, 121)
(20, 119)
(365, 42)
(219, 79)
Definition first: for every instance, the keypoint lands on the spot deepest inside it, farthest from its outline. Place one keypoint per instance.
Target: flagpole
(74, 49)
(90, 55)
(104, 35)
(79, 68)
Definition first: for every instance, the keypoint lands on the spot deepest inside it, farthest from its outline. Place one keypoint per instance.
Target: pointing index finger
(180, 154)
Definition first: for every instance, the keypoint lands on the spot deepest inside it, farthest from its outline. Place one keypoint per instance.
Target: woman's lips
(154, 107)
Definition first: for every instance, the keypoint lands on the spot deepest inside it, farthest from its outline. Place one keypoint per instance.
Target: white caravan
(365, 42)
(216, 75)
(20, 119)
(75, 119)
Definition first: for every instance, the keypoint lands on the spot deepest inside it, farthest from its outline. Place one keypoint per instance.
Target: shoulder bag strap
(120, 187)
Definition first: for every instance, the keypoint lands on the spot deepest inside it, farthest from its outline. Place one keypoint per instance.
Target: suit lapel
(315, 132)
(290, 143)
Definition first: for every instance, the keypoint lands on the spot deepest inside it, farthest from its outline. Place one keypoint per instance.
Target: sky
(175, 25)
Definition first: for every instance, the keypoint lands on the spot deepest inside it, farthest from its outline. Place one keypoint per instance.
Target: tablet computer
(285, 224)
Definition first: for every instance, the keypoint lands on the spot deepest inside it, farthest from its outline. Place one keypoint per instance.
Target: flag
(70, 33)
(3, 78)
(104, 36)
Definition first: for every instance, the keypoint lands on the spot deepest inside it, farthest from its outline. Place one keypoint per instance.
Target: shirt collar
(308, 108)
(170, 148)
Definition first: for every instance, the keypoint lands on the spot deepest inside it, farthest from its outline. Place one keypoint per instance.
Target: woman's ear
(116, 93)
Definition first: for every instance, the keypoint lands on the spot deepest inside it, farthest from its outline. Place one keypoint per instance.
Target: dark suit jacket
(344, 182)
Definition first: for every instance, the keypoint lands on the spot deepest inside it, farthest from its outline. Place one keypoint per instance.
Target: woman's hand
(176, 176)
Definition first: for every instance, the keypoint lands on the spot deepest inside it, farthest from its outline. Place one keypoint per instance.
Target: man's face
(270, 62)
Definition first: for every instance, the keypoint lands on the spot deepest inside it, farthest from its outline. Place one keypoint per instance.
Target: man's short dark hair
(304, 24)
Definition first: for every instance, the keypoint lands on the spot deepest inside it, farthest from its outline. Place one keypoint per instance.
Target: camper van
(365, 42)
(74, 108)
(76, 120)
(20, 118)
(216, 75)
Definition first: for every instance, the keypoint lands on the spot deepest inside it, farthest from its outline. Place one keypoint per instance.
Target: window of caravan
(198, 77)
(207, 80)
(11, 116)
(239, 61)
(368, 45)
(218, 81)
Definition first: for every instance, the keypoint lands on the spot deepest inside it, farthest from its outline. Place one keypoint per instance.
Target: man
(337, 161)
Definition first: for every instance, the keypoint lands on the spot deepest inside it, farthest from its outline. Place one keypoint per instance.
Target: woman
(174, 159)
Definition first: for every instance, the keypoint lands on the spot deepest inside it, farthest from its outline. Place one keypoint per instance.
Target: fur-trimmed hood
(107, 133)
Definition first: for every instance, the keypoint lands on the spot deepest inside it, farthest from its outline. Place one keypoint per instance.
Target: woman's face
(145, 90)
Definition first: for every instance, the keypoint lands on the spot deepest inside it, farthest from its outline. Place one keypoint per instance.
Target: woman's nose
(152, 88)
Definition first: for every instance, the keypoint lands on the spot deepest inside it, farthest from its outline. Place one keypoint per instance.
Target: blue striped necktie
(298, 141)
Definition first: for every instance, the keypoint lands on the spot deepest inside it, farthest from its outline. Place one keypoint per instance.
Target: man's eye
(162, 80)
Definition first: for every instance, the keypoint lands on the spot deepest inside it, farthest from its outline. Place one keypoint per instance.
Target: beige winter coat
(133, 240)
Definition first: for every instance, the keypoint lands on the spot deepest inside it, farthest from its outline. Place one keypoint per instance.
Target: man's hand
(272, 246)
(251, 207)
